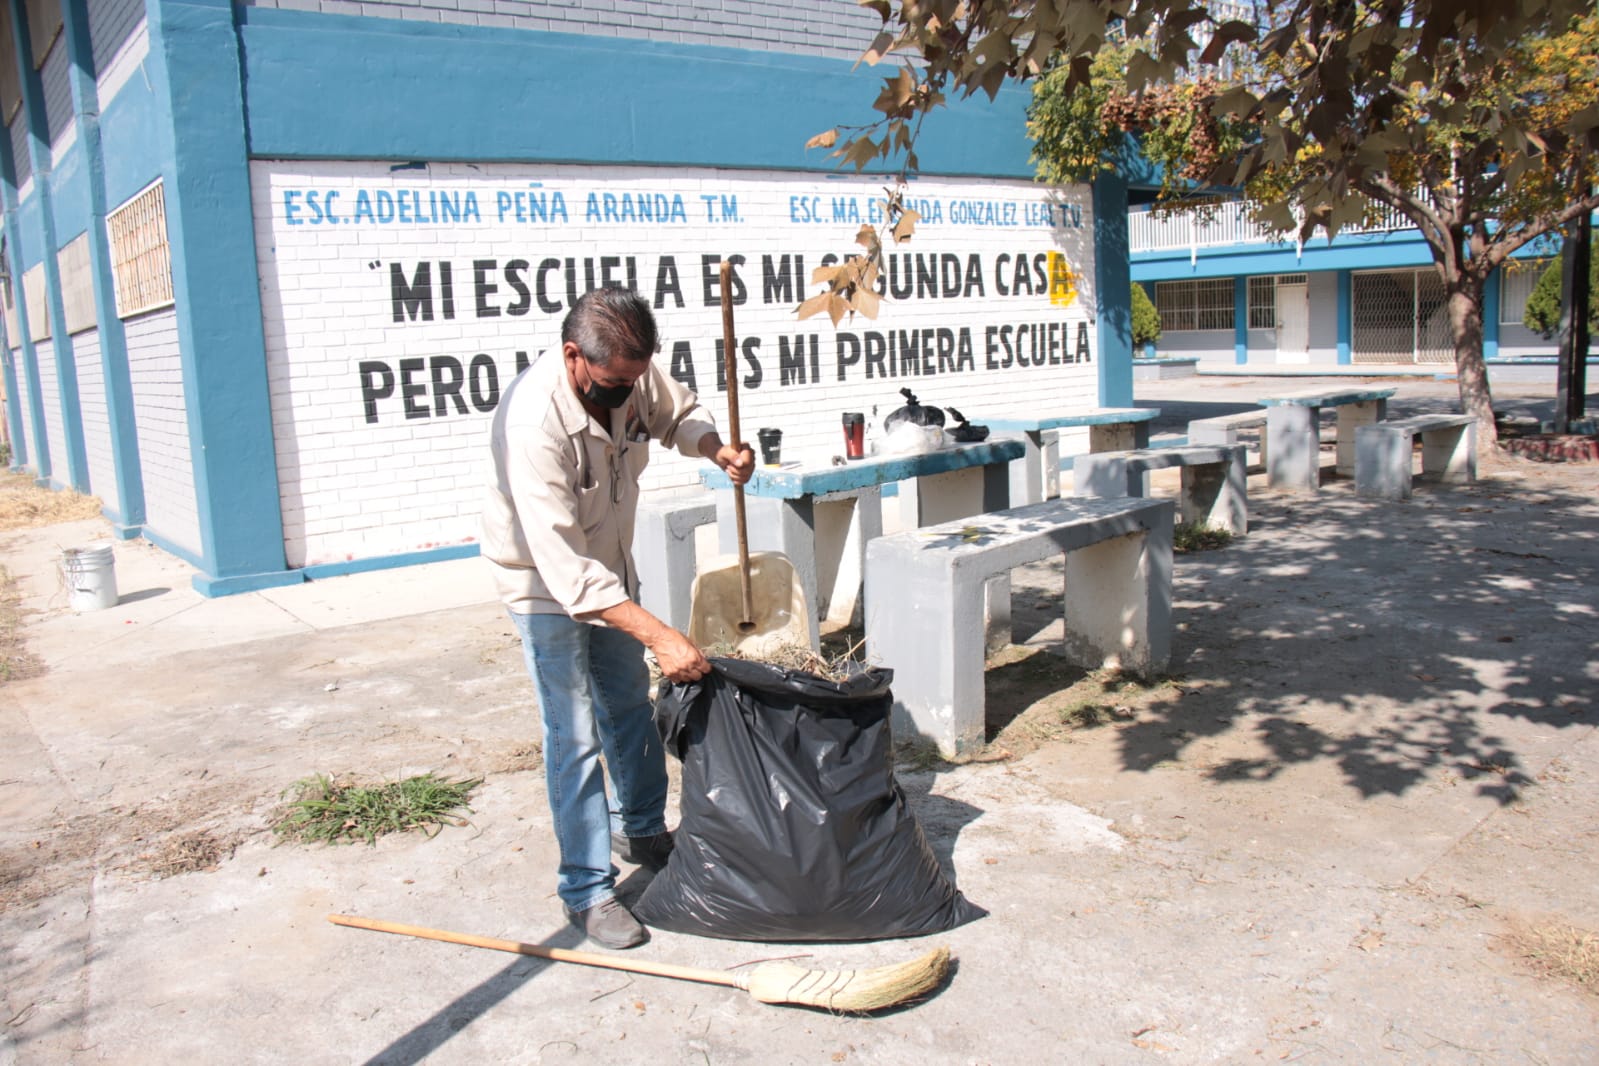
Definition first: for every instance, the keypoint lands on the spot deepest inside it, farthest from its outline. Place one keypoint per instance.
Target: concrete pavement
(1373, 769)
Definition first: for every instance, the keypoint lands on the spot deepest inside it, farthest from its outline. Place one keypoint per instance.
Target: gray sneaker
(609, 923)
(649, 852)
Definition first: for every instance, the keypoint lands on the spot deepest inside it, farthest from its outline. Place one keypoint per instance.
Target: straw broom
(844, 991)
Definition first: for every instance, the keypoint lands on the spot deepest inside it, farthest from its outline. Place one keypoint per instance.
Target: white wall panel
(55, 432)
(381, 400)
(96, 420)
(156, 372)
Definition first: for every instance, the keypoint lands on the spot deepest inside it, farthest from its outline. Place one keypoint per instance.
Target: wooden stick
(517, 947)
(730, 361)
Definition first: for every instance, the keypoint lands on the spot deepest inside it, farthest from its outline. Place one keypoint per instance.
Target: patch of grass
(1197, 537)
(16, 661)
(330, 811)
(1562, 951)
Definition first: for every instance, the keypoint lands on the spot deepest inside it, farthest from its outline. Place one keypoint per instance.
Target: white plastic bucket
(91, 577)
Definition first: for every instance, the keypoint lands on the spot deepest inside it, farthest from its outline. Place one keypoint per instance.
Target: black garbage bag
(964, 432)
(914, 412)
(793, 826)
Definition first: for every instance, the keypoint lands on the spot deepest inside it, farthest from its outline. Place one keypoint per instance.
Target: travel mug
(854, 434)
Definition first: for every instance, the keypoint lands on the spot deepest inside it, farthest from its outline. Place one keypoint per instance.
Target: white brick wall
(96, 420)
(838, 28)
(50, 390)
(355, 484)
(25, 407)
(156, 372)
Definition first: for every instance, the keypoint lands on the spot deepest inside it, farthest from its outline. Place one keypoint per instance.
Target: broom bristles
(847, 991)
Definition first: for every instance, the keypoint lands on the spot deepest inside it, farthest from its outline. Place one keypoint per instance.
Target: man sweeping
(569, 441)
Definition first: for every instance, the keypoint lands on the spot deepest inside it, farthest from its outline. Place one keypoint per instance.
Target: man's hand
(675, 654)
(678, 658)
(736, 459)
(738, 462)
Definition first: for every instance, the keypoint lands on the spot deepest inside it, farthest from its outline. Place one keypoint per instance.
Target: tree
(1542, 313)
(1146, 320)
(1471, 117)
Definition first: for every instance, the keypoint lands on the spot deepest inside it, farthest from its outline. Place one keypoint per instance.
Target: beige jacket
(563, 490)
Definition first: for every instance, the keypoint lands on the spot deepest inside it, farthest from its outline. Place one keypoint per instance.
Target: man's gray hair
(612, 322)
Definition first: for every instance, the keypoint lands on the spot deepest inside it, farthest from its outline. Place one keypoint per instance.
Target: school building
(269, 266)
(1228, 293)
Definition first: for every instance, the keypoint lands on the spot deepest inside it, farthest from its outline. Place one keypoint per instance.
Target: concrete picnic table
(821, 516)
(1110, 429)
(1293, 442)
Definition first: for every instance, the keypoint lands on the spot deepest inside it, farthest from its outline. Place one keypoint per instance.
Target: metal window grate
(1400, 316)
(1516, 282)
(141, 262)
(1189, 305)
(1263, 302)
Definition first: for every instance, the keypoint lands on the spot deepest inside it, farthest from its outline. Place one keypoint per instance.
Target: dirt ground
(1355, 822)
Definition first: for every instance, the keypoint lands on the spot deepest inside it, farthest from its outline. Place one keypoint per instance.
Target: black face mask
(608, 396)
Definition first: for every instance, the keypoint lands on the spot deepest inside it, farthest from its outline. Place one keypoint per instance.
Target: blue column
(1113, 292)
(1490, 314)
(1346, 318)
(34, 401)
(1240, 320)
(113, 341)
(77, 457)
(194, 67)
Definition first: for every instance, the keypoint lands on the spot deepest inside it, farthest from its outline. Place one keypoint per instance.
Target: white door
(1293, 323)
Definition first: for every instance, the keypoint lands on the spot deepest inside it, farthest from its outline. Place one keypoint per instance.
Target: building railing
(1194, 228)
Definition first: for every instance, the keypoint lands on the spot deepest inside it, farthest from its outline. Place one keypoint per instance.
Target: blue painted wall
(135, 142)
(567, 98)
(69, 196)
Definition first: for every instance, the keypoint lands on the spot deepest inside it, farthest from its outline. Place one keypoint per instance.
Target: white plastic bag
(907, 438)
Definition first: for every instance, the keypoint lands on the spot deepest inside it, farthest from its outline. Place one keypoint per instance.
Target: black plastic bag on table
(914, 412)
(793, 825)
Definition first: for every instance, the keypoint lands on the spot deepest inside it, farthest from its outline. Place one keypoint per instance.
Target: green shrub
(1542, 314)
(1146, 320)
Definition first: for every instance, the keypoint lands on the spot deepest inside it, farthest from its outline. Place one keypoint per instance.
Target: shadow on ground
(1391, 639)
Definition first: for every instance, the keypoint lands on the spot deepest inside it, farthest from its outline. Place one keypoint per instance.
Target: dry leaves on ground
(24, 505)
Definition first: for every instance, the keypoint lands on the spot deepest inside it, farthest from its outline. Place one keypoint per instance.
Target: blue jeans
(594, 692)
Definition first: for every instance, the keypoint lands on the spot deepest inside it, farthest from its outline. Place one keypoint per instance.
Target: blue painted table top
(792, 483)
(1100, 416)
(1326, 397)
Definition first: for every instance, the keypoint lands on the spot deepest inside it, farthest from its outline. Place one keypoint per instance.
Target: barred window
(1516, 282)
(1263, 302)
(1206, 304)
(1263, 298)
(141, 262)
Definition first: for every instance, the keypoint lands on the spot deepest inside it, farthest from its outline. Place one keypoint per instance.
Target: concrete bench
(822, 516)
(924, 601)
(1214, 490)
(663, 552)
(1293, 430)
(1223, 429)
(1037, 476)
(1384, 452)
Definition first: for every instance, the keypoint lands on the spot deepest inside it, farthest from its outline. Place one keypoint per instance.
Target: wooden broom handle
(730, 361)
(517, 947)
